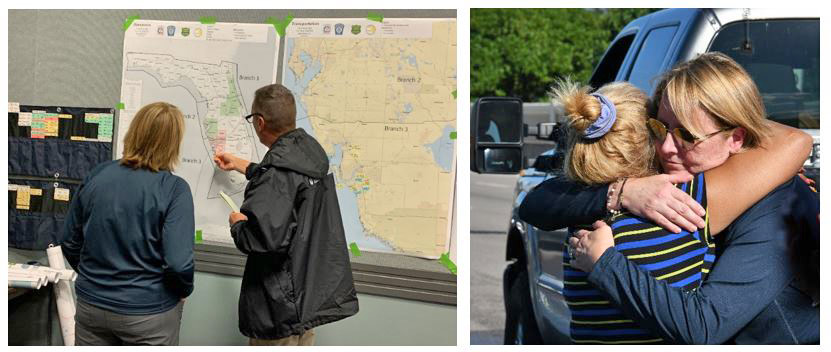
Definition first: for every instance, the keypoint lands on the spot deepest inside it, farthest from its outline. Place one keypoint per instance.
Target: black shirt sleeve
(558, 202)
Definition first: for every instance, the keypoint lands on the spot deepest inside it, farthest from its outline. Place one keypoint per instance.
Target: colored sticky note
(280, 25)
(119, 106)
(91, 117)
(22, 201)
(445, 260)
(35, 192)
(198, 238)
(374, 16)
(453, 135)
(38, 124)
(24, 119)
(454, 94)
(61, 194)
(129, 21)
(354, 248)
(207, 20)
(50, 125)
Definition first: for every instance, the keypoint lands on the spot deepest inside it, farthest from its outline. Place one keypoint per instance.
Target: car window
(609, 66)
(782, 56)
(648, 64)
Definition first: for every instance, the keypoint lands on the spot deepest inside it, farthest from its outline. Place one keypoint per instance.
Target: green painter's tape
(453, 135)
(207, 20)
(374, 16)
(198, 236)
(129, 21)
(445, 260)
(354, 248)
(454, 94)
(280, 25)
(119, 106)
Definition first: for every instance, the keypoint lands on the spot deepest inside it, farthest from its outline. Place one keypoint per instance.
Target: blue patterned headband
(604, 123)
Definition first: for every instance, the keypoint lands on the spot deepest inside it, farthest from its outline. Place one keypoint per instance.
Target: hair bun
(581, 109)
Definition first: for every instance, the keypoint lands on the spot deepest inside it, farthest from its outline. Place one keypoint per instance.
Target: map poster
(379, 97)
(209, 71)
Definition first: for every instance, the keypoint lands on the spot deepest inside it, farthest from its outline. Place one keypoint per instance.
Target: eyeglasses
(248, 118)
(659, 131)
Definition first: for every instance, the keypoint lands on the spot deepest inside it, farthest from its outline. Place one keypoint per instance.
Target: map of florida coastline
(383, 109)
(219, 105)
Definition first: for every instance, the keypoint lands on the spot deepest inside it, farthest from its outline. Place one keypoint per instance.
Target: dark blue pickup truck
(780, 50)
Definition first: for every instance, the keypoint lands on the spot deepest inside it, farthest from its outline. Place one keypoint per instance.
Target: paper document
(229, 201)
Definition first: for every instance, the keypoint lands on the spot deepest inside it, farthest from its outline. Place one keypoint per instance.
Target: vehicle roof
(724, 16)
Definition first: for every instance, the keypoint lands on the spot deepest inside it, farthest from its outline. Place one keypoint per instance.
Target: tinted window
(500, 121)
(783, 58)
(607, 69)
(654, 50)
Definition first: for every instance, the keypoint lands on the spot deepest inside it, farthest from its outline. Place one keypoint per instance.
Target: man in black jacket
(297, 275)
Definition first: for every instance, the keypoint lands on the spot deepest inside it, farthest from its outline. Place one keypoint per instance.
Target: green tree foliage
(522, 52)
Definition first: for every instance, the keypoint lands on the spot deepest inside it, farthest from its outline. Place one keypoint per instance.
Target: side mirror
(497, 133)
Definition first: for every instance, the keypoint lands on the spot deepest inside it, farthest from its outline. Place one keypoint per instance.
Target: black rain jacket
(297, 275)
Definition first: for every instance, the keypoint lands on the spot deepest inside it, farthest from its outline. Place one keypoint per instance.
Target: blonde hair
(625, 151)
(720, 87)
(153, 140)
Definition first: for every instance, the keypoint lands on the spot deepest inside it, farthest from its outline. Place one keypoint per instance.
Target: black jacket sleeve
(269, 206)
(558, 202)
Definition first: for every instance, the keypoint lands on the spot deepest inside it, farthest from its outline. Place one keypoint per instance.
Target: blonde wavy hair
(153, 139)
(720, 87)
(625, 151)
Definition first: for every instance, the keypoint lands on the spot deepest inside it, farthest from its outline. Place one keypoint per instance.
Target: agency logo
(356, 29)
(370, 29)
(327, 29)
(339, 29)
(160, 30)
(197, 32)
(185, 31)
(171, 30)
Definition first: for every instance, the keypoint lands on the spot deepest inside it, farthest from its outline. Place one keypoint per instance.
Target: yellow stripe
(645, 255)
(707, 226)
(602, 322)
(706, 271)
(635, 232)
(576, 282)
(617, 342)
(691, 186)
(586, 303)
(679, 271)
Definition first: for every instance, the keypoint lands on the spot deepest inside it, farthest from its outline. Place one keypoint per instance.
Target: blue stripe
(651, 242)
(684, 187)
(624, 222)
(595, 312)
(581, 293)
(599, 332)
(700, 180)
(686, 281)
(709, 258)
(574, 273)
(678, 259)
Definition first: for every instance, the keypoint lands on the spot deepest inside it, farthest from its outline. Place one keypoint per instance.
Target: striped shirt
(683, 260)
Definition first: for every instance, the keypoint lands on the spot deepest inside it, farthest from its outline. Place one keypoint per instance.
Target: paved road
(490, 208)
